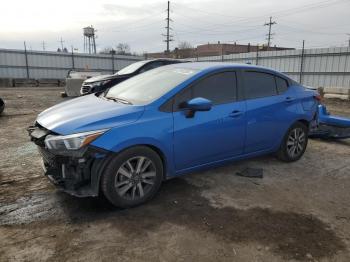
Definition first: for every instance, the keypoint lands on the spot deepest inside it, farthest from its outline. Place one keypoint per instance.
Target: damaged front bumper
(76, 172)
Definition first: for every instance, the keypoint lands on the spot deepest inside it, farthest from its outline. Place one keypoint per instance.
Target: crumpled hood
(103, 78)
(97, 78)
(87, 113)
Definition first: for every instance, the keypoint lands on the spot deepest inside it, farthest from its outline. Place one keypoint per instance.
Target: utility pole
(43, 45)
(61, 41)
(168, 28)
(269, 35)
(349, 38)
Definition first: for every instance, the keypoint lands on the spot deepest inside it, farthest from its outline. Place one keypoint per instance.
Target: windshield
(147, 87)
(131, 68)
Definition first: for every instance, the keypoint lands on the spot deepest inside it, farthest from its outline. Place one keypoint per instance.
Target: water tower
(89, 40)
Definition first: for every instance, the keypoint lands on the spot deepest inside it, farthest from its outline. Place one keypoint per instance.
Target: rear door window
(259, 84)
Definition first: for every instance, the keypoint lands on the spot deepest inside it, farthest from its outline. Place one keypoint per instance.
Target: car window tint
(149, 86)
(219, 88)
(151, 66)
(170, 62)
(182, 97)
(258, 84)
(282, 85)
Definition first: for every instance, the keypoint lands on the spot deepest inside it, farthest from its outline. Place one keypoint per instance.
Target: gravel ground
(298, 211)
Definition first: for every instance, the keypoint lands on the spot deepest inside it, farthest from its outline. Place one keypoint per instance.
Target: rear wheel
(294, 143)
(133, 177)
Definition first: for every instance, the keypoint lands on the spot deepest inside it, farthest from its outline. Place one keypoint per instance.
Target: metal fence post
(73, 66)
(222, 53)
(26, 59)
(302, 63)
(112, 52)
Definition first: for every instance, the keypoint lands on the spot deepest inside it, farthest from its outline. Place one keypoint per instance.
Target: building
(216, 49)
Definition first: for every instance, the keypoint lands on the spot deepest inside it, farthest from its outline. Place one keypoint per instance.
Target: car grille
(48, 157)
(85, 89)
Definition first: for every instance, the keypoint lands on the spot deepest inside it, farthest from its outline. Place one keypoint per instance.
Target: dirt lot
(298, 211)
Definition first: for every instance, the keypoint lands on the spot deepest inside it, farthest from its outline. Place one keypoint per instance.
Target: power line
(206, 12)
(219, 29)
(134, 28)
(294, 29)
(329, 26)
(218, 33)
(269, 35)
(283, 13)
(201, 29)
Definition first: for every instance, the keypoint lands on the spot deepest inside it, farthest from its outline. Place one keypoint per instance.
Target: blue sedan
(168, 122)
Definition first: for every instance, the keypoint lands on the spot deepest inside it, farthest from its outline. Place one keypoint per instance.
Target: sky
(42, 23)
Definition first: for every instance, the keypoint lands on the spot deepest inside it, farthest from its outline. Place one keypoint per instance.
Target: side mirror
(197, 104)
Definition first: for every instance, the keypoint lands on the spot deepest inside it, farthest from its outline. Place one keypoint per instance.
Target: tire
(2, 105)
(133, 177)
(292, 149)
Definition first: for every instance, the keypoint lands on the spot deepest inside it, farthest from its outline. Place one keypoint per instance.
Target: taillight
(318, 97)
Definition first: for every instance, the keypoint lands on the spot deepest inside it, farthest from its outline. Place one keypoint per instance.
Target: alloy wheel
(135, 178)
(296, 142)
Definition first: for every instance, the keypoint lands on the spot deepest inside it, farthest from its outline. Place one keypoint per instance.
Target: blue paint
(214, 135)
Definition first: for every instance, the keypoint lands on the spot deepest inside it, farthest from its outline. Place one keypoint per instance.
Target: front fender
(154, 129)
(164, 151)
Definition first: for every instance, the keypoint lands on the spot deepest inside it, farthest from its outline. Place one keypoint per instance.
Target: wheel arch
(303, 121)
(96, 183)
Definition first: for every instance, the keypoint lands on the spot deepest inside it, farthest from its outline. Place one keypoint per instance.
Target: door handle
(289, 99)
(235, 113)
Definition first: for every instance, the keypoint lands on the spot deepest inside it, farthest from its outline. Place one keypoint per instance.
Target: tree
(184, 50)
(185, 45)
(106, 50)
(123, 49)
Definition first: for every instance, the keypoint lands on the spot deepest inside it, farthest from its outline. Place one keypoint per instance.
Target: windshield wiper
(119, 100)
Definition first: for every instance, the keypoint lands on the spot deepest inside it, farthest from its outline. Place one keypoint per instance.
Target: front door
(213, 135)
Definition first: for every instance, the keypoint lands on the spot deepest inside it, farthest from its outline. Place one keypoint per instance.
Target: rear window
(259, 84)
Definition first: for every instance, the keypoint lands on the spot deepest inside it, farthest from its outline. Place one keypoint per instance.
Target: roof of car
(222, 65)
(165, 59)
(216, 65)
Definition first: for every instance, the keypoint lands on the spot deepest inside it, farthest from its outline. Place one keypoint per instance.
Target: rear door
(271, 109)
(213, 135)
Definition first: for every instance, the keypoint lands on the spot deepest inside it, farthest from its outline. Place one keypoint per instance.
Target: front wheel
(294, 143)
(133, 177)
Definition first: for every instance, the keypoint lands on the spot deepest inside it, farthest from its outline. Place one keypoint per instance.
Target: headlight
(100, 83)
(72, 142)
